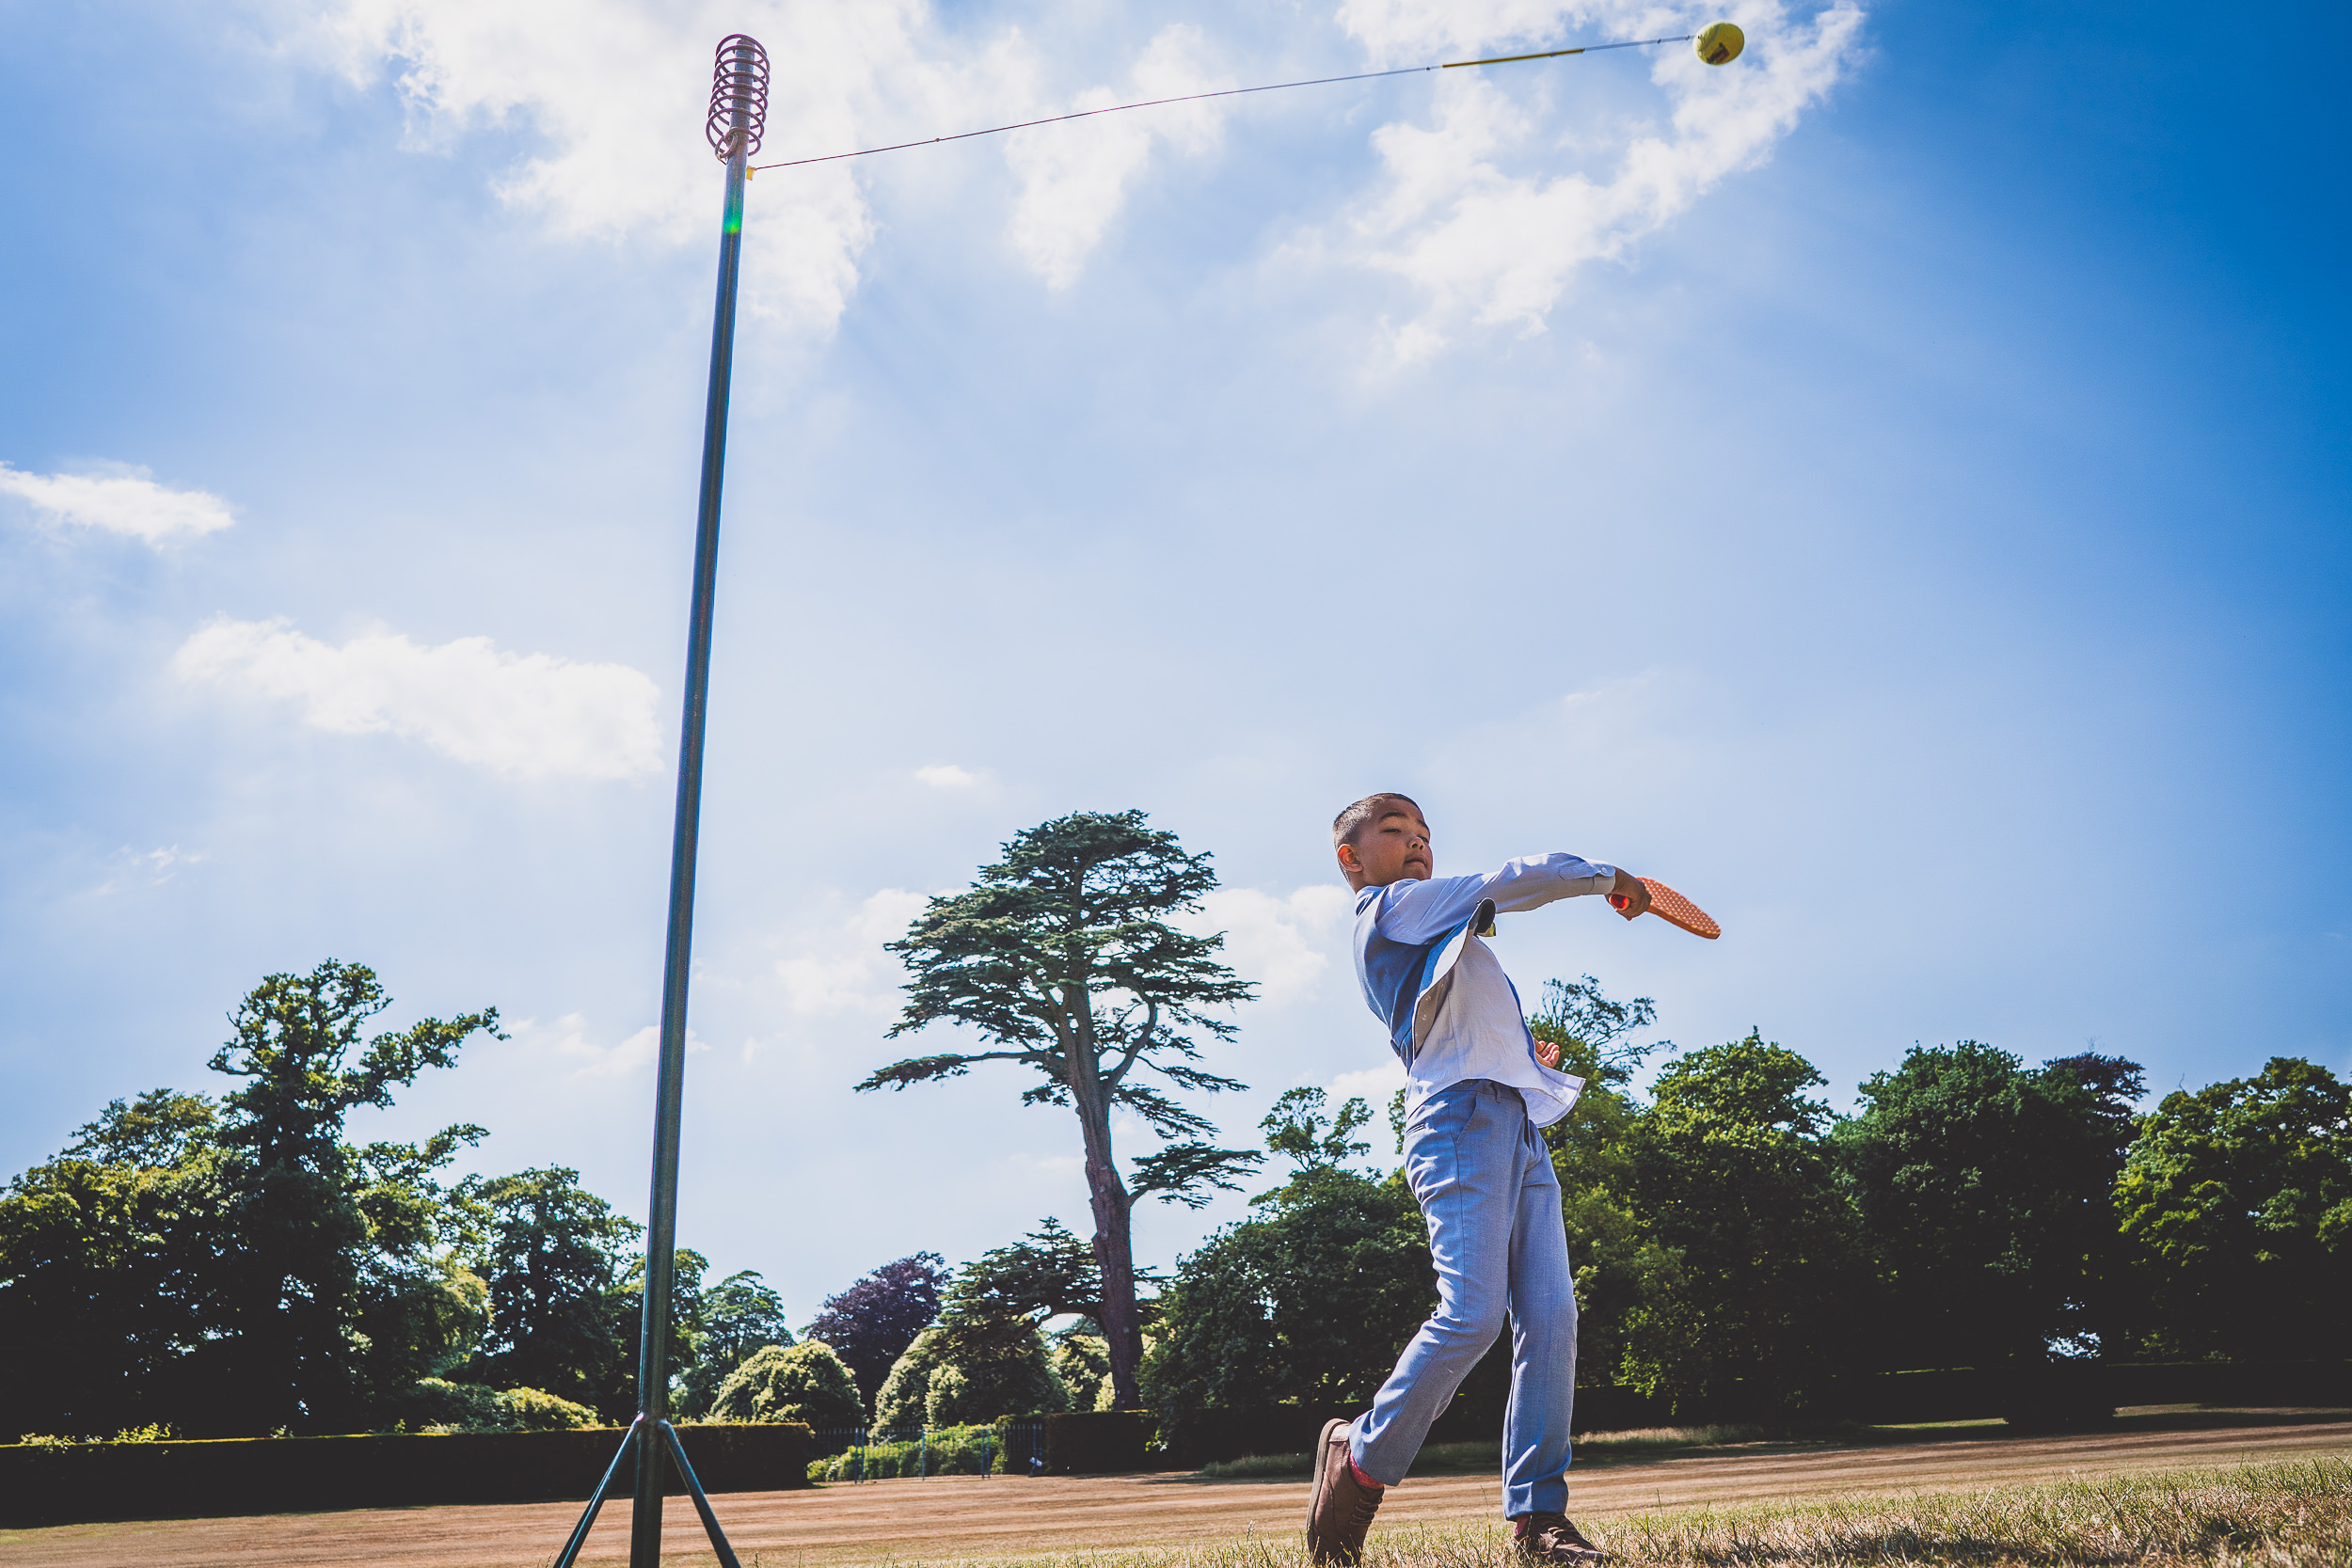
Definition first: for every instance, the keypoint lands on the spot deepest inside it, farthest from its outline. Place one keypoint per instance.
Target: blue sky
(1893, 487)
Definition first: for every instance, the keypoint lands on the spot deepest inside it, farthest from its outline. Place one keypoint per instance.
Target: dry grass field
(2210, 1489)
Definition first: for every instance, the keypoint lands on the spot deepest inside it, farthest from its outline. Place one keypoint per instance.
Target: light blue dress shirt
(1452, 1013)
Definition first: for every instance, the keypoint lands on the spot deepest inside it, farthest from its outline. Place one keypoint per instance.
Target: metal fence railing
(893, 1453)
(1023, 1447)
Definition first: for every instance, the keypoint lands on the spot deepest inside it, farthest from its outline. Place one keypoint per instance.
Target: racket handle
(1618, 900)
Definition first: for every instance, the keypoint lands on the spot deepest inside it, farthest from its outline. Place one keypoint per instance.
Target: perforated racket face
(1674, 910)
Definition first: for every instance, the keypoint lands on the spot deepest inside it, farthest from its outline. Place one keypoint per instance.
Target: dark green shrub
(168, 1477)
(805, 1383)
(536, 1410)
(963, 1451)
(435, 1404)
(945, 1381)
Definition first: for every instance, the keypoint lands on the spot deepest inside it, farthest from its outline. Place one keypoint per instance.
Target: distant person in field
(1478, 1086)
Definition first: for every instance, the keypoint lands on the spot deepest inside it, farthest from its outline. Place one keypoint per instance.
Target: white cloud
(522, 716)
(1373, 1085)
(615, 92)
(566, 1042)
(947, 775)
(850, 971)
(1058, 1167)
(1493, 248)
(1074, 178)
(1284, 944)
(121, 500)
(612, 93)
(1411, 31)
(153, 867)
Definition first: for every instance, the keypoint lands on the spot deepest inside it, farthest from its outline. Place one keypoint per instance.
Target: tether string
(1224, 92)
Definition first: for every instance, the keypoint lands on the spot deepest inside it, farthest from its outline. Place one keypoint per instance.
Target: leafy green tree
(2238, 1198)
(536, 1410)
(418, 1307)
(993, 1359)
(690, 1332)
(1297, 1129)
(109, 1256)
(1985, 1192)
(1000, 1368)
(235, 1266)
(291, 1282)
(791, 1382)
(1007, 1369)
(1617, 1259)
(1048, 1274)
(162, 1130)
(1311, 1299)
(562, 1316)
(904, 1396)
(1061, 955)
(1769, 1282)
(737, 1316)
(437, 1405)
(741, 1314)
(872, 1323)
(1083, 1362)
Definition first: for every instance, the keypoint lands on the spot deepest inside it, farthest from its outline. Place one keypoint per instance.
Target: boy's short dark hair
(1345, 826)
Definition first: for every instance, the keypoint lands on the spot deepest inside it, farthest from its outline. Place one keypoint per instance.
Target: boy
(1478, 1086)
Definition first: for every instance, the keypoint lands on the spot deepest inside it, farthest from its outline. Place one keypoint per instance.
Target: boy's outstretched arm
(1420, 911)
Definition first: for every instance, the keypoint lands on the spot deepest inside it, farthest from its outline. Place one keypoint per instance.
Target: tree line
(236, 1265)
(1731, 1235)
(1727, 1229)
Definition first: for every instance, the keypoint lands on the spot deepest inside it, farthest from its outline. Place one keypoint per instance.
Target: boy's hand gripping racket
(1672, 908)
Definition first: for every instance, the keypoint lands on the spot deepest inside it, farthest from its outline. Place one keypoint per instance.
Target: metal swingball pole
(738, 111)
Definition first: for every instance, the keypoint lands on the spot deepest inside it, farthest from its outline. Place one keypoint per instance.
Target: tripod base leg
(596, 1499)
(701, 1503)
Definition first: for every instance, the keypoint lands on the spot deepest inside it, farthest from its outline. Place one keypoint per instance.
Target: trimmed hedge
(1099, 1442)
(44, 1484)
(2034, 1398)
(2069, 1392)
(1195, 1437)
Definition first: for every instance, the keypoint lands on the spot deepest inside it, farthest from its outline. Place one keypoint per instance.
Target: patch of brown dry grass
(2294, 1516)
(2286, 1515)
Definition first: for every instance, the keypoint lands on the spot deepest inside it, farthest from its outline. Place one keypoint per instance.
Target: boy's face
(1393, 847)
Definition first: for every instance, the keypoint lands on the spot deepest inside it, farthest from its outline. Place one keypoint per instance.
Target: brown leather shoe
(1340, 1509)
(1550, 1538)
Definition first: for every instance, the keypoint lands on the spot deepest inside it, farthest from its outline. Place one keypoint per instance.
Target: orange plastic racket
(1674, 908)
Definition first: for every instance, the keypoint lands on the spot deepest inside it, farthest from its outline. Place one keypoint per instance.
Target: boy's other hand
(1634, 892)
(1547, 1053)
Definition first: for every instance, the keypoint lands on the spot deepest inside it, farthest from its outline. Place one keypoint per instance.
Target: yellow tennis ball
(1720, 42)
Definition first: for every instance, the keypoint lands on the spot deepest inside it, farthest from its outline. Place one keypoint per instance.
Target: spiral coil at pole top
(739, 98)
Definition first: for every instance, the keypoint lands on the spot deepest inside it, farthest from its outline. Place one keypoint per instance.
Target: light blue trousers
(1485, 1185)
